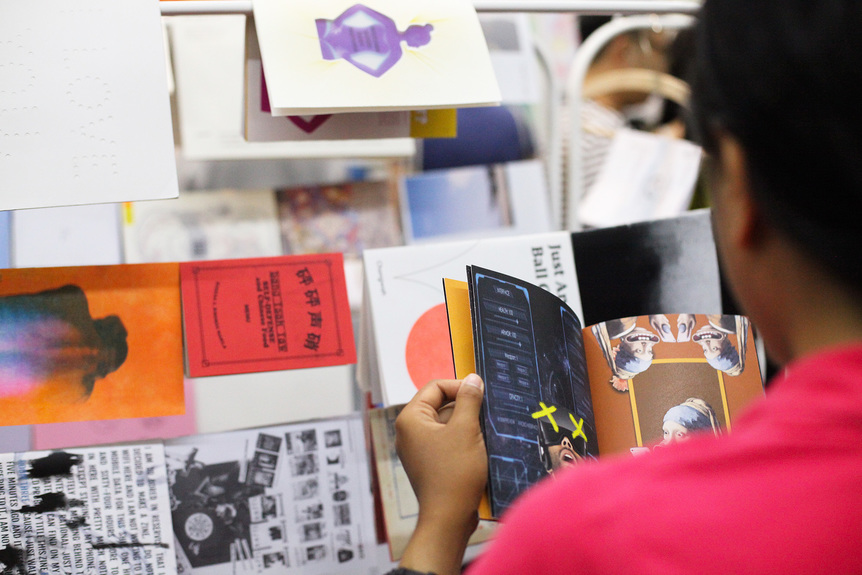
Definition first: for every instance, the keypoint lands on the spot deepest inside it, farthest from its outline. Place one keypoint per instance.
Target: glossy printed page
(537, 412)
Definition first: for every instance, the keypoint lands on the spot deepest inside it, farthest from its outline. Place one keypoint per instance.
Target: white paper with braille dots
(84, 105)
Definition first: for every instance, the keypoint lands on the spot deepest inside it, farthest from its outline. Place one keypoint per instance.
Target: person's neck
(816, 311)
(833, 318)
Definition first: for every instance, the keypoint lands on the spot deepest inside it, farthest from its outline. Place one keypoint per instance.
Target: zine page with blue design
(537, 412)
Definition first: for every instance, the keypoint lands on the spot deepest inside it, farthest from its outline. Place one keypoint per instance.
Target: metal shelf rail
(189, 7)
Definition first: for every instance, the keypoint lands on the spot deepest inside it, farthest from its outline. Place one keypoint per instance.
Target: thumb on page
(468, 401)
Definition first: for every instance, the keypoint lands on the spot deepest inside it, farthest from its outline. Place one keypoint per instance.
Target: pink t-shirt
(781, 494)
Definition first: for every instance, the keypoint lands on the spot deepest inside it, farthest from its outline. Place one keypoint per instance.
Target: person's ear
(738, 213)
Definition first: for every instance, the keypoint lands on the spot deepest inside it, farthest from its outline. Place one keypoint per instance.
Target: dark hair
(784, 78)
(680, 59)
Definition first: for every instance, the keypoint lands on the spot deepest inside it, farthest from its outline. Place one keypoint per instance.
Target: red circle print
(429, 352)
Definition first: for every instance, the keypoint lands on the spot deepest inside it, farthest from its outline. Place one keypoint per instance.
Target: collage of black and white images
(290, 508)
(317, 502)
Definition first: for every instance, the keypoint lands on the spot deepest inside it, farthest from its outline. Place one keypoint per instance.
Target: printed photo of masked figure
(51, 345)
(82, 343)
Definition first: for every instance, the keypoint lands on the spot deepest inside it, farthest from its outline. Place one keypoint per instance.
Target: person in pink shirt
(775, 96)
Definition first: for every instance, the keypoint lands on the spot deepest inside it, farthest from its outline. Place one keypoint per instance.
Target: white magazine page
(203, 225)
(644, 177)
(291, 498)
(87, 119)
(88, 510)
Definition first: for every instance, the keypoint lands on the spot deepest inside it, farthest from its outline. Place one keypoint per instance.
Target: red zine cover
(266, 314)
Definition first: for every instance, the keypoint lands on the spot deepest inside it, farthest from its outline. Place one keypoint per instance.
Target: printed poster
(266, 314)
(90, 342)
(89, 510)
(284, 499)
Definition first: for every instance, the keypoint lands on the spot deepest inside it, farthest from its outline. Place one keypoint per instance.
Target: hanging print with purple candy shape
(368, 39)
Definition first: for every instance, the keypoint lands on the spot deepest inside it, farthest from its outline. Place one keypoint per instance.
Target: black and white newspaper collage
(100, 511)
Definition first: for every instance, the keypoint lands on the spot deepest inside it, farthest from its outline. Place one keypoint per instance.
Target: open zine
(558, 393)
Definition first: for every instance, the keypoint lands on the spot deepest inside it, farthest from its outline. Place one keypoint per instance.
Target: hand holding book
(446, 463)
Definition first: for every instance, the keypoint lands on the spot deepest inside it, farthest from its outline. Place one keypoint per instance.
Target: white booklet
(334, 56)
(284, 499)
(85, 106)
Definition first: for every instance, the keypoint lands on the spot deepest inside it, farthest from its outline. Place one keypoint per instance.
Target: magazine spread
(557, 394)
(86, 510)
(292, 498)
